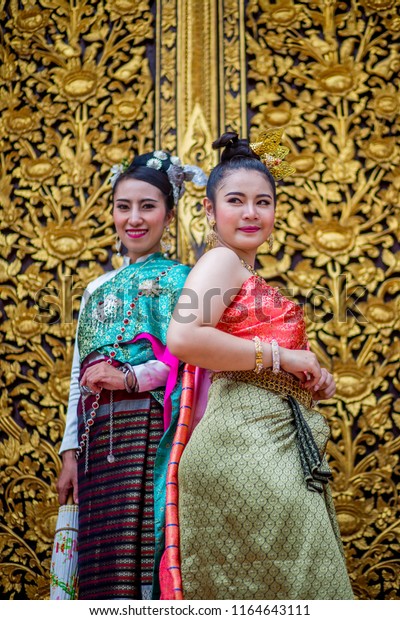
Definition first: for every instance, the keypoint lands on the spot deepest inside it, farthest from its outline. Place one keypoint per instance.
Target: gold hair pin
(272, 153)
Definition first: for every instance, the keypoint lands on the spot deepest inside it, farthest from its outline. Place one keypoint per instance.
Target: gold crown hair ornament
(272, 153)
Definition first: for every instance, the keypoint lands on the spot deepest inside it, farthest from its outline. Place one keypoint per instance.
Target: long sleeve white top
(150, 375)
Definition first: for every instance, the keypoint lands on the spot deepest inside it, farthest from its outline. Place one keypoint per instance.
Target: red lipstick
(249, 229)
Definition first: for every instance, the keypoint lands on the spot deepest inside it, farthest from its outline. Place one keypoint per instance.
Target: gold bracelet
(259, 355)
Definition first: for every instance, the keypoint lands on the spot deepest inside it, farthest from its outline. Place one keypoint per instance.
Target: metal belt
(281, 383)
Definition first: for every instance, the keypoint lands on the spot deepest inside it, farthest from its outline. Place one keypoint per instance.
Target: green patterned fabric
(109, 304)
(250, 528)
(100, 324)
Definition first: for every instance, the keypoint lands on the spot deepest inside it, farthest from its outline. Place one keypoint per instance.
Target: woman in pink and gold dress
(256, 519)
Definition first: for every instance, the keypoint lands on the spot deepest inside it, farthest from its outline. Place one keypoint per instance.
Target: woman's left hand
(103, 375)
(325, 387)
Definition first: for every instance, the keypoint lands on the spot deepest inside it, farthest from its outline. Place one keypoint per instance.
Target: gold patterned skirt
(250, 529)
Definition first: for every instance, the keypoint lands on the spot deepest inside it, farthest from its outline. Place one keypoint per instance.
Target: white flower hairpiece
(176, 172)
(117, 170)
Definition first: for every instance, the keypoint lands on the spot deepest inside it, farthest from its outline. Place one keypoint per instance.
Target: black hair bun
(228, 138)
(233, 147)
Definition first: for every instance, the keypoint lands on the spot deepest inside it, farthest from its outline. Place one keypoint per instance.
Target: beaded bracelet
(259, 355)
(276, 360)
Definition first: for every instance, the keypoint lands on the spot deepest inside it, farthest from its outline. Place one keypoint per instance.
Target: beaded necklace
(89, 420)
(249, 268)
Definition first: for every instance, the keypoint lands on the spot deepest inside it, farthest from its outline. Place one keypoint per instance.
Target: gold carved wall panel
(76, 97)
(84, 84)
(329, 73)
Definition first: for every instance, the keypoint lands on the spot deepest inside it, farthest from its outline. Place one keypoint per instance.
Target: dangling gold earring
(212, 237)
(118, 245)
(166, 242)
(270, 242)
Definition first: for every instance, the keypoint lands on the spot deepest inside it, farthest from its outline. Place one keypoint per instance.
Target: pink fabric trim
(163, 355)
(202, 384)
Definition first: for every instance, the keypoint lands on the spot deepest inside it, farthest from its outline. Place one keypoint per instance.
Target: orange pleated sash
(170, 567)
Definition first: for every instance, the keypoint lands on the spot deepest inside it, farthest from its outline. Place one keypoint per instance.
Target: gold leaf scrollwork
(76, 96)
(315, 72)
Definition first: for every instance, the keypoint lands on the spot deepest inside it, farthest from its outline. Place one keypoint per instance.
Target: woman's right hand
(68, 479)
(302, 364)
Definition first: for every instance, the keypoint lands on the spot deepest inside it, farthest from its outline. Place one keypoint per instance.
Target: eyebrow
(142, 200)
(242, 194)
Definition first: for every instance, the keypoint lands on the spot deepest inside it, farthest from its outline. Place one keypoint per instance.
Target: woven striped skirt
(116, 514)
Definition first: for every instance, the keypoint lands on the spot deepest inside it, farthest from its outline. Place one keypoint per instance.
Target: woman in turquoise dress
(253, 518)
(125, 389)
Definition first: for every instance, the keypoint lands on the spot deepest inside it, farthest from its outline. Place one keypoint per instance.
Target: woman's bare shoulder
(219, 257)
(218, 267)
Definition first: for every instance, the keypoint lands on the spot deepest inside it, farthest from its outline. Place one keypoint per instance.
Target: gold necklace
(249, 268)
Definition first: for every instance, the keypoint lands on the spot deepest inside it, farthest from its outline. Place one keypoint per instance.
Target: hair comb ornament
(272, 153)
(179, 173)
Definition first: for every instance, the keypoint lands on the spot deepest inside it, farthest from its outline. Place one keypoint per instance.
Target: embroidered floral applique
(150, 288)
(107, 309)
